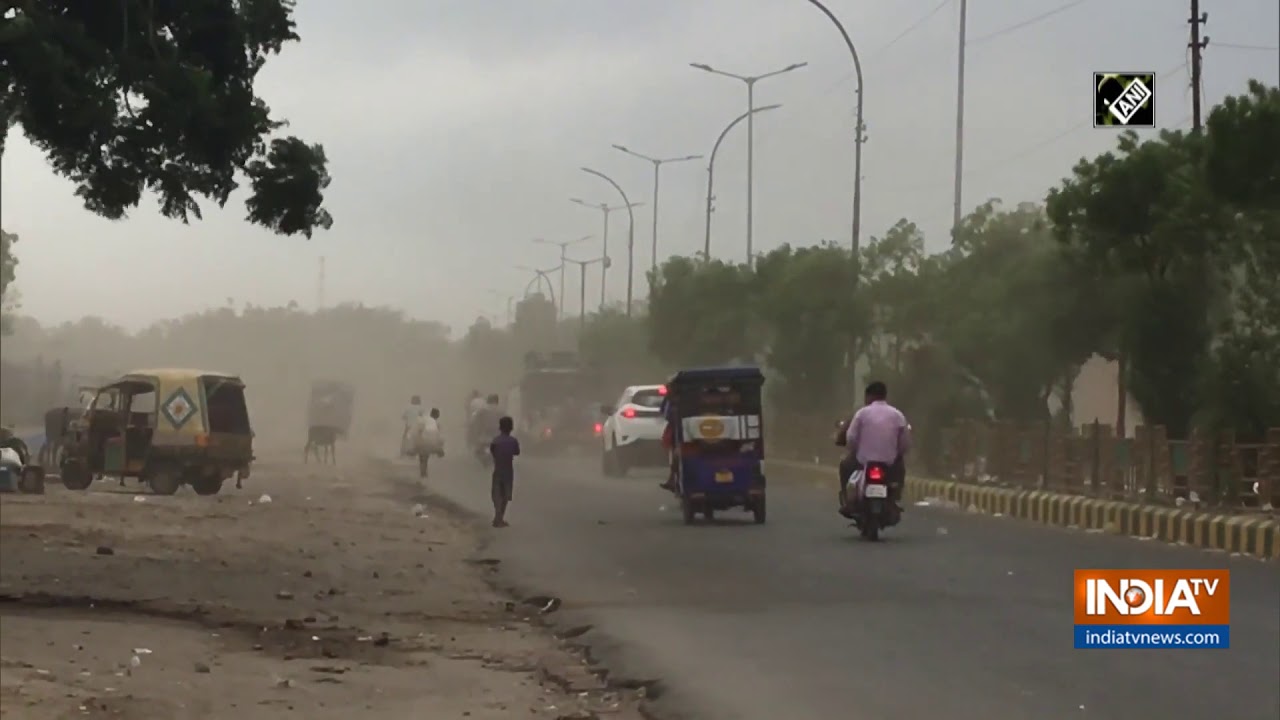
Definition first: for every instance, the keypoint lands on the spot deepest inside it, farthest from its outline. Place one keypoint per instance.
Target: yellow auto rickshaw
(165, 427)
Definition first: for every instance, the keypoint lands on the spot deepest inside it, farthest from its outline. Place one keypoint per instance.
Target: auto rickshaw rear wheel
(758, 510)
(75, 476)
(689, 511)
(210, 484)
(164, 480)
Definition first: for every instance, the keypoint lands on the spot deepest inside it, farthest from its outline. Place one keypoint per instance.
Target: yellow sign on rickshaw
(711, 428)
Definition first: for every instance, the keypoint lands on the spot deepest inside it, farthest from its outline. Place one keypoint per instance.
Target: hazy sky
(456, 130)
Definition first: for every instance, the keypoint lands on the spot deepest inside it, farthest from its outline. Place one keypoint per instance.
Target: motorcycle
(874, 509)
(874, 506)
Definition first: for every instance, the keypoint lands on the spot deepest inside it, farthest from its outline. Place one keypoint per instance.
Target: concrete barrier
(1254, 535)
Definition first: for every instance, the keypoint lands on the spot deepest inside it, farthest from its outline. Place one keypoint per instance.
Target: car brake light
(875, 473)
(629, 413)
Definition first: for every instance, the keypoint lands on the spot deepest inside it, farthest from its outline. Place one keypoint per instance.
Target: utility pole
(957, 211)
(1197, 45)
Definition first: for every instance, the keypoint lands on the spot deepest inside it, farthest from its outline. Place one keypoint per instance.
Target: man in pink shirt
(878, 433)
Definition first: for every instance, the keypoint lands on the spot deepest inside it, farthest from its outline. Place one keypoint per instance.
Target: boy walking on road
(504, 450)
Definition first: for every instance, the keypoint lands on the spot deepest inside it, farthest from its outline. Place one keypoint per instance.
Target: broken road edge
(585, 640)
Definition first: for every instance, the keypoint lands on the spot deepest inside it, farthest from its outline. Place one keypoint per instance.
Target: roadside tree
(130, 95)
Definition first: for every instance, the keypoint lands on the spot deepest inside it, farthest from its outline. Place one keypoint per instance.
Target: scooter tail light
(875, 473)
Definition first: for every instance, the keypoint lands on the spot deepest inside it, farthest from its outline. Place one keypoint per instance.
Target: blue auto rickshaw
(717, 440)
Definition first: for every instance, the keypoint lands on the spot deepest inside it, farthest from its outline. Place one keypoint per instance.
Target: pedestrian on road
(410, 420)
(504, 449)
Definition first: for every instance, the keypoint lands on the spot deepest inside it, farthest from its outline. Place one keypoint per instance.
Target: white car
(632, 432)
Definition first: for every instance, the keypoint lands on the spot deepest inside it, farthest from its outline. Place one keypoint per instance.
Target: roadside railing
(1202, 471)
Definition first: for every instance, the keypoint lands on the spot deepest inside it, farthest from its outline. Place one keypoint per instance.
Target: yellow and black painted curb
(1254, 535)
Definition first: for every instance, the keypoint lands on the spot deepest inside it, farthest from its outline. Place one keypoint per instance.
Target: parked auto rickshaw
(717, 440)
(167, 428)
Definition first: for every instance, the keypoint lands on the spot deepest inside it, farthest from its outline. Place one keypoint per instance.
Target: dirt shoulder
(332, 596)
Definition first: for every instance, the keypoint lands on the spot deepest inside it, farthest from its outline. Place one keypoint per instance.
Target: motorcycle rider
(410, 419)
(484, 421)
(474, 403)
(878, 433)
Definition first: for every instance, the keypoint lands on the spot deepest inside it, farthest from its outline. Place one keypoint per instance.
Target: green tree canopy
(1145, 216)
(127, 96)
(809, 319)
(8, 271)
(700, 312)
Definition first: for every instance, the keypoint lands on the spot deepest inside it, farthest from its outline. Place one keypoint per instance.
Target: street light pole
(711, 171)
(563, 245)
(605, 209)
(859, 135)
(657, 165)
(631, 232)
(539, 277)
(582, 291)
(751, 137)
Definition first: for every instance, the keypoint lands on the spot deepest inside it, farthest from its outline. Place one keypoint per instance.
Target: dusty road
(331, 599)
(954, 616)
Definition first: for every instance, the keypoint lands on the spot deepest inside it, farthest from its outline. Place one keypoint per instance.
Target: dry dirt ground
(331, 597)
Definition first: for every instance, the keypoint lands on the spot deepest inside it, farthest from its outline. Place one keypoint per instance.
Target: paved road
(954, 616)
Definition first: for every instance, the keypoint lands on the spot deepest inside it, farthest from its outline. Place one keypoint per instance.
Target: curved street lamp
(605, 209)
(750, 81)
(631, 232)
(859, 137)
(540, 277)
(563, 245)
(711, 171)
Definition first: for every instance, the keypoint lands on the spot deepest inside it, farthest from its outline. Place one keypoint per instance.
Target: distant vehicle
(555, 407)
(631, 434)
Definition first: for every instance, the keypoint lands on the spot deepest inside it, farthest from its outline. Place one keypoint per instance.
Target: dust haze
(277, 351)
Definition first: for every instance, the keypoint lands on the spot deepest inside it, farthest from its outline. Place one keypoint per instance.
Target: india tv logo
(1182, 609)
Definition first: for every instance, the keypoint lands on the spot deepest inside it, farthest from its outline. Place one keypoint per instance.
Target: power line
(1039, 145)
(1238, 46)
(911, 28)
(1051, 140)
(1027, 23)
(989, 36)
(844, 79)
